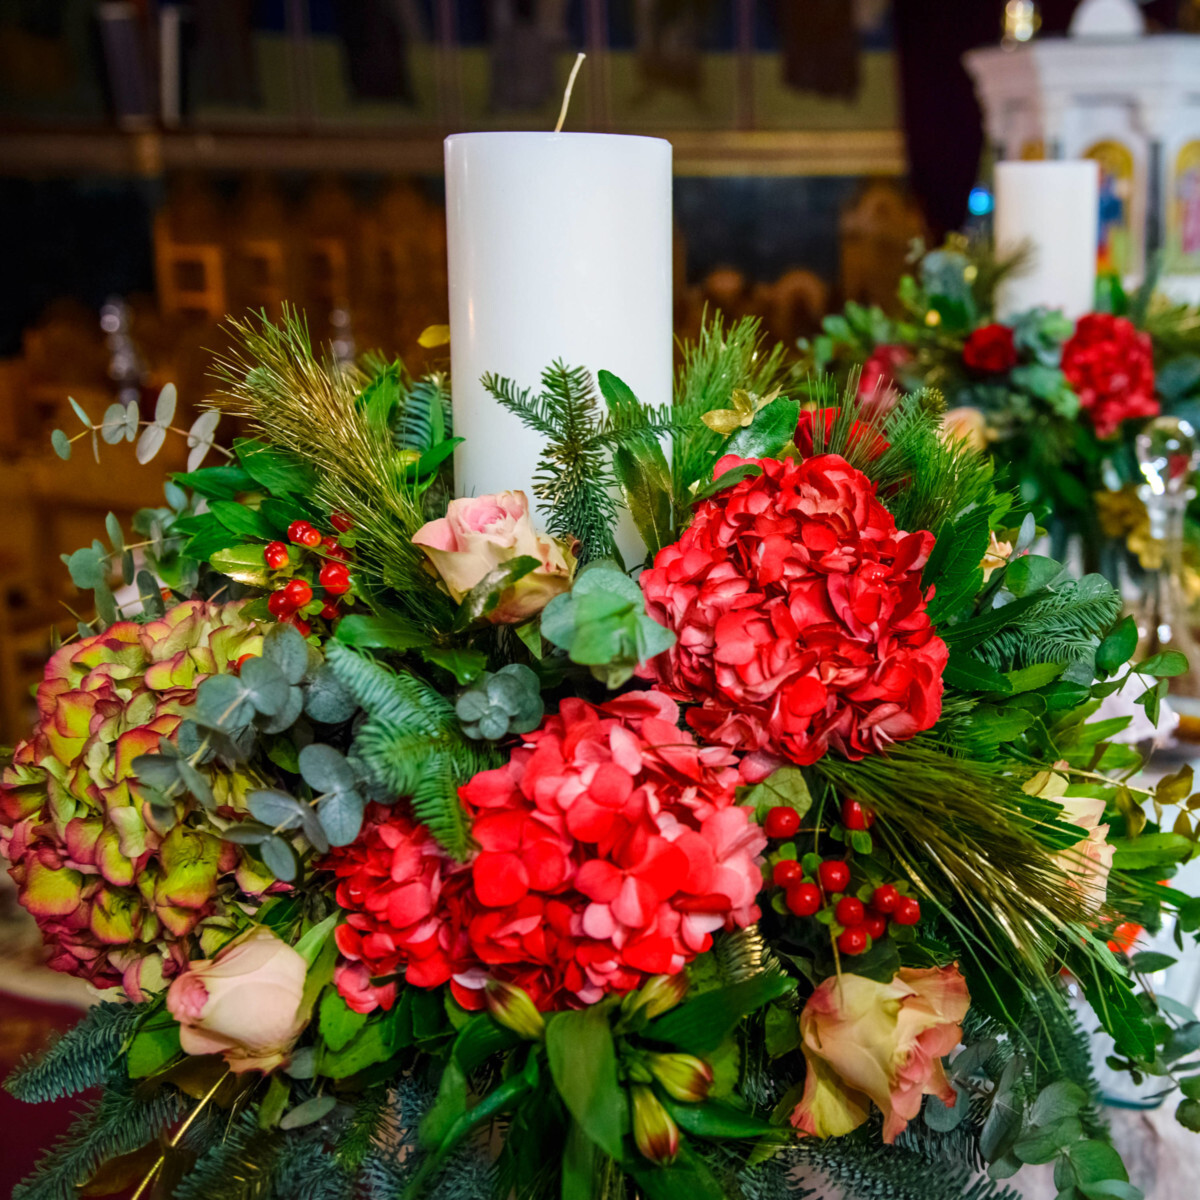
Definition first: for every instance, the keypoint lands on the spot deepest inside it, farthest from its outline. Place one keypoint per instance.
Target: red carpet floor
(27, 1129)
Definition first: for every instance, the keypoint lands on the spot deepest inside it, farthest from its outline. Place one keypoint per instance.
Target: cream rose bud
(965, 425)
(1089, 860)
(479, 534)
(244, 1003)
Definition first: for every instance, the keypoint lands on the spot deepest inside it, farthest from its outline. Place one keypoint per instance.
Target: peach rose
(244, 1003)
(1089, 860)
(479, 534)
(965, 425)
(865, 1041)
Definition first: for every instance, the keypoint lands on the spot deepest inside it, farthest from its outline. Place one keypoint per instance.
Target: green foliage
(502, 702)
(723, 358)
(235, 1165)
(574, 479)
(602, 624)
(412, 743)
(124, 1119)
(79, 1059)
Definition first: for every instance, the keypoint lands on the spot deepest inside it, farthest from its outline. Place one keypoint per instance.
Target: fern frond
(78, 1059)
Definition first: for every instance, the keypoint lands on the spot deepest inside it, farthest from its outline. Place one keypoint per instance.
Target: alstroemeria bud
(656, 1134)
(656, 996)
(684, 1077)
(512, 1007)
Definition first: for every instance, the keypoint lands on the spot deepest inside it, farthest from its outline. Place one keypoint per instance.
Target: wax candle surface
(1053, 207)
(559, 248)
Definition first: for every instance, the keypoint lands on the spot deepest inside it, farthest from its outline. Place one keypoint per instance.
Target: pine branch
(80, 1058)
(721, 359)
(235, 1167)
(412, 743)
(124, 1119)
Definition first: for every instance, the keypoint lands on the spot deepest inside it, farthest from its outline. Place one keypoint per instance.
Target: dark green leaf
(702, 1024)
(245, 522)
(388, 632)
(1095, 1161)
(1118, 647)
(464, 665)
(772, 428)
(154, 1045)
(273, 468)
(485, 595)
(726, 480)
(1188, 1114)
(245, 564)
(1030, 573)
(713, 1120)
(785, 786)
(1147, 962)
(339, 1023)
(1060, 1099)
(1164, 665)
(583, 1064)
(970, 674)
(224, 482)
(275, 808)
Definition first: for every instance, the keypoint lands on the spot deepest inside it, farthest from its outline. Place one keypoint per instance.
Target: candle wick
(562, 112)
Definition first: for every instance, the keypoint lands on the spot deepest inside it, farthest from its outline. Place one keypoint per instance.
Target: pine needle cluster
(721, 359)
(311, 407)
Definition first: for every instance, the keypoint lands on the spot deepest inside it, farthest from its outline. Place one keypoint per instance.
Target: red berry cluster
(861, 923)
(333, 575)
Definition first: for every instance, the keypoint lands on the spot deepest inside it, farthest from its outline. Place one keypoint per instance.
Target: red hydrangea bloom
(991, 350)
(610, 849)
(392, 882)
(1110, 363)
(859, 431)
(799, 615)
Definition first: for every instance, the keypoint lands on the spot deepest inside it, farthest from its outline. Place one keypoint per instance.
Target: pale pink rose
(244, 1003)
(965, 425)
(479, 534)
(869, 1042)
(1089, 860)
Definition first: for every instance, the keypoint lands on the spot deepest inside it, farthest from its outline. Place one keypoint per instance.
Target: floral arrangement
(1057, 403)
(426, 853)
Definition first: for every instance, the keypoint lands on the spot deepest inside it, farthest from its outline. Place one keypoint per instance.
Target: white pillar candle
(559, 248)
(1053, 209)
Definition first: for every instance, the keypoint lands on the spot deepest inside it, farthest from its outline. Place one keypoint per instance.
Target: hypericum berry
(331, 549)
(237, 666)
(787, 872)
(804, 899)
(885, 899)
(278, 604)
(302, 625)
(334, 578)
(303, 534)
(834, 875)
(781, 822)
(875, 924)
(850, 911)
(908, 911)
(330, 609)
(276, 555)
(855, 817)
(853, 941)
(298, 592)
(341, 521)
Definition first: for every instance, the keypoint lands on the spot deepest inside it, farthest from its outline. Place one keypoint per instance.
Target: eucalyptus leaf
(150, 595)
(341, 815)
(288, 715)
(265, 685)
(309, 1112)
(280, 858)
(246, 833)
(287, 649)
(112, 426)
(79, 412)
(325, 769)
(222, 703)
(164, 406)
(327, 699)
(275, 809)
(150, 443)
(61, 444)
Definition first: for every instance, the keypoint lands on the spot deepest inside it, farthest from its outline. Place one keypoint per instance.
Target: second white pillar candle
(559, 248)
(1053, 210)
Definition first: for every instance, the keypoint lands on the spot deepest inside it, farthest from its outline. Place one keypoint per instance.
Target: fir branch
(235, 1167)
(124, 1119)
(574, 482)
(78, 1059)
(412, 743)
